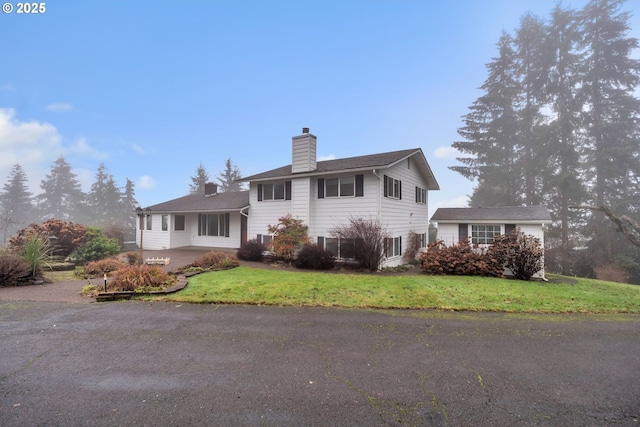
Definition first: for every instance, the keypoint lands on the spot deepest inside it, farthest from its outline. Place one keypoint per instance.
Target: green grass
(245, 285)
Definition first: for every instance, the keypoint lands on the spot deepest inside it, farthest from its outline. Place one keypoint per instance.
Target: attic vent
(210, 189)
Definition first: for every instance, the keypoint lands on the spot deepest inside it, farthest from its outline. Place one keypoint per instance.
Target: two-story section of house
(390, 187)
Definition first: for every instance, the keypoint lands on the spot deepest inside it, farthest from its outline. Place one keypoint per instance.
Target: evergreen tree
(104, 198)
(199, 180)
(228, 178)
(609, 78)
(563, 178)
(533, 59)
(491, 132)
(129, 203)
(61, 193)
(16, 207)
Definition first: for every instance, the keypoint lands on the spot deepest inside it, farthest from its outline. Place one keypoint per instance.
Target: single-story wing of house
(481, 225)
(390, 187)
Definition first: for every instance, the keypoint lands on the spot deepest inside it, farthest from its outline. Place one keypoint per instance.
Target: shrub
(66, 237)
(216, 260)
(251, 251)
(369, 235)
(133, 258)
(36, 251)
(97, 246)
(314, 257)
(140, 277)
(14, 270)
(98, 268)
(413, 248)
(289, 235)
(519, 253)
(117, 231)
(459, 259)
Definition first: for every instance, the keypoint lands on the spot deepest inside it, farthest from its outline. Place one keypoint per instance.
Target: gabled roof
(368, 162)
(537, 214)
(223, 202)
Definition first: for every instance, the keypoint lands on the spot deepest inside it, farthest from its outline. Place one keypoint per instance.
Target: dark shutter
(385, 185)
(416, 194)
(199, 224)
(400, 251)
(359, 185)
(320, 188)
(287, 190)
(321, 241)
(509, 228)
(226, 224)
(259, 238)
(259, 192)
(400, 190)
(463, 232)
(386, 246)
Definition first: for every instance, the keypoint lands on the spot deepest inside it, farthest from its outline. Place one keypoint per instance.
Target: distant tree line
(558, 124)
(62, 198)
(227, 179)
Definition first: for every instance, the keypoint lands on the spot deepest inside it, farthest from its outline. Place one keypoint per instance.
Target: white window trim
(486, 240)
(353, 187)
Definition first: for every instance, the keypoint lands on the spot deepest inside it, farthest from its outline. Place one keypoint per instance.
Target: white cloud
(82, 148)
(329, 157)
(138, 148)
(31, 144)
(446, 152)
(59, 107)
(145, 182)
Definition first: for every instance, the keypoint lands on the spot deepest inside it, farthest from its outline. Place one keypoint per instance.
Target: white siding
(300, 199)
(448, 233)
(329, 212)
(233, 241)
(155, 238)
(402, 216)
(264, 213)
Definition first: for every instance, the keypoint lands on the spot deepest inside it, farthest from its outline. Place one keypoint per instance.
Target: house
(391, 187)
(481, 225)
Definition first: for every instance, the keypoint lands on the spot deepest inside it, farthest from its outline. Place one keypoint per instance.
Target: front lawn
(246, 285)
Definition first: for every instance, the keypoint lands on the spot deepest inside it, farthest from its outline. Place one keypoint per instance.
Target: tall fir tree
(104, 198)
(199, 180)
(16, 204)
(228, 178)
(129, 203)
(62, 195)
(563, 178)
(611, 113)
(490, 131)
(533, 59)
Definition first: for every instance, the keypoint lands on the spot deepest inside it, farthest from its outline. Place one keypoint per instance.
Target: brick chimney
(303, 152)
(210, 189)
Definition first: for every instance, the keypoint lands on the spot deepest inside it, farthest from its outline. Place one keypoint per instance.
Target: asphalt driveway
(136, 363)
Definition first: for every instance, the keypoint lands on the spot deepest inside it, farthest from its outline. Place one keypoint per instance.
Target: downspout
(378, 199)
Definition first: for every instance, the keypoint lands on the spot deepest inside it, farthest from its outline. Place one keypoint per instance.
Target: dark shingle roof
(229, 201)
(503, 213)
(351, 163)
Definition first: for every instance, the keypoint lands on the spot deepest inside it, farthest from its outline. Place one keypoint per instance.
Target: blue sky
(154, 88)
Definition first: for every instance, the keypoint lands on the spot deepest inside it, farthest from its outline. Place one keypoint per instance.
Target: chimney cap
(305, 130)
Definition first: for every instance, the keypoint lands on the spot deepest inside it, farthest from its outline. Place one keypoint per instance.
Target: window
(423, 240)
(213, 225)
(340, 187)
(179, 223)
(165, 222)
(274, 191)
(264, 239)
(421, 195)
(149, 222)
(393, 247)
(392, 188)
(340, 248)
(484, 234)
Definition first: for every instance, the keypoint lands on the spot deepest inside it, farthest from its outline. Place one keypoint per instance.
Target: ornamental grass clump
(37, 253)
(140, 278)
(14, 270)
(107, 265)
